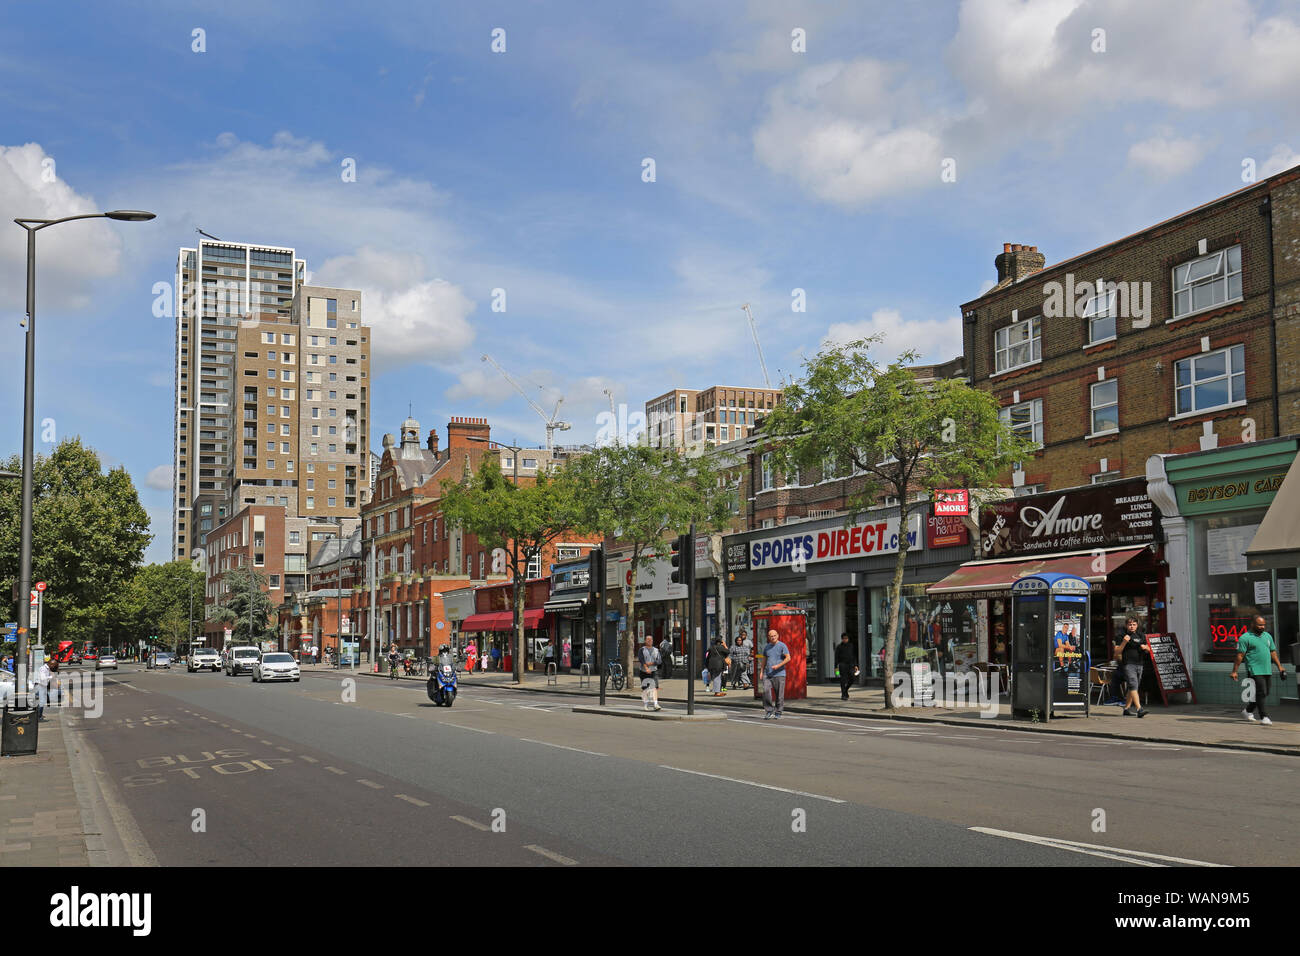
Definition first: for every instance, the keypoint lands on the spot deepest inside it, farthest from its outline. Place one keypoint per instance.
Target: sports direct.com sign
(833, 544)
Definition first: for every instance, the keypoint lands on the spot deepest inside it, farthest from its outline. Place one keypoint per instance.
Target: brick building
(690, 419)
(1181, 337)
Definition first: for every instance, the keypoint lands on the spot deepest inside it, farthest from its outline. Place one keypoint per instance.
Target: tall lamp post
(33, 226)
(518, 669)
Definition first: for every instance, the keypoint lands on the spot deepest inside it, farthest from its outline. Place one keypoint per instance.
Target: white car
(275, 665)
(202, 659)
(106, 660)
(241, 659)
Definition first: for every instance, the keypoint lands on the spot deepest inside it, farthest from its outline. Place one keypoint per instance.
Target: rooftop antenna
(208, 235)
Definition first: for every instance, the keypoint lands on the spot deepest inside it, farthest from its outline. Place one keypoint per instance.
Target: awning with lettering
(1277, 542)
(1000, 574)
(566, 602)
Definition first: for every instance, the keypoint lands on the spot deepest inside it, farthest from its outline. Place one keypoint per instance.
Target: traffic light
(681, 560)
(596, 573)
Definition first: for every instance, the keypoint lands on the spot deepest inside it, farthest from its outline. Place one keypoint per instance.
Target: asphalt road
(327, 772)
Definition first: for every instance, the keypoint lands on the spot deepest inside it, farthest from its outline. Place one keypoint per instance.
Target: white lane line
(1136, 857)
(472, 823)
(371, 784)
(551, 855)
(447, 723)
(308, 759)
(1159, 747)
(267, 742)
(781, 726)
(250, 736)
(955, 737)
(908, 733)
(418, 803)
(577, 750)
(752, 783)
(285, 749)
(335, 770)
(846, 723)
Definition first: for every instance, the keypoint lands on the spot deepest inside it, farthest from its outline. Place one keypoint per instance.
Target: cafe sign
(1106, 516)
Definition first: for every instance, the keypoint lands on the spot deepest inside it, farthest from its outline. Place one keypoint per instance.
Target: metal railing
(584, 675)
(552, 674)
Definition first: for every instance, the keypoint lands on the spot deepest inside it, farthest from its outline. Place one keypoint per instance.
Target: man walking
(776, 657)
(649, 659)
(1258, 649)
(846, 664)
(1131, 651)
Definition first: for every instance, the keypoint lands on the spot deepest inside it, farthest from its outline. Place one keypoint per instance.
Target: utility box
(1050, 661)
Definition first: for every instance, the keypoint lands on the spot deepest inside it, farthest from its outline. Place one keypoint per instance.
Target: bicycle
(615, 676)
(393, 669)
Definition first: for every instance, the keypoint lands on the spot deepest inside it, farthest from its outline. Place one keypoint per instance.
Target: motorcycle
(442, 685)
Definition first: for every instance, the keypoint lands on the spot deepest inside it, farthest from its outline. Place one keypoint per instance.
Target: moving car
(240, 660)
(275, 665)
(203, 658)
(106, 661)
(159, 659)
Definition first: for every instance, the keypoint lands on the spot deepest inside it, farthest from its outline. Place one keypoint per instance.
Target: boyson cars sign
(864, 539)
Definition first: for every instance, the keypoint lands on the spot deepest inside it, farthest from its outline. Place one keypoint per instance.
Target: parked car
(106, 661)
(275, 665)
(203, 658)
(241, 660)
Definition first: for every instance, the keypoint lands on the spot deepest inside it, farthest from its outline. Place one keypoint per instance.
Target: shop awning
(500, 620)
(1000, 575)
(1277, 542)
(569, 602)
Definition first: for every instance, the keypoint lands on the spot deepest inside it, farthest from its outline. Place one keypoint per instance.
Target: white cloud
(1284, 157)
(159, 478)
(70, 257)
(932, 339)
(1166, 156)
(414, 319)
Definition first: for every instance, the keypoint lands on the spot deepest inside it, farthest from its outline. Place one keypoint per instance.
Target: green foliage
(157, 603)
(89, 533)
(645, 496)
(234, 612)
(851, 414)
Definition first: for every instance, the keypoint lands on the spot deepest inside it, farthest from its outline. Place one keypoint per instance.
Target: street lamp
(34, 226)
(518, 669)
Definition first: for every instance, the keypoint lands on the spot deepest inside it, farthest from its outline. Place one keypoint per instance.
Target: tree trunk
(521, 641)
(895, 605)
(629, 641)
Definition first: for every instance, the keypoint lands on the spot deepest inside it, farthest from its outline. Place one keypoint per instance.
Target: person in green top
(1258, 649)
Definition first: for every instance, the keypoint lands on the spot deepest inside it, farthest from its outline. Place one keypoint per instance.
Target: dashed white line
(551, 855)
(1136, 857)
(578, 750)
(335, 770)
(371, 784)
(285, 749)
(472, 823)
(447, 723)
(308, 759)
(418, 803)
(752, 783)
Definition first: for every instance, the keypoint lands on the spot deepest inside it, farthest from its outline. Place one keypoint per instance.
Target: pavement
(1181, 722)
(53, 835)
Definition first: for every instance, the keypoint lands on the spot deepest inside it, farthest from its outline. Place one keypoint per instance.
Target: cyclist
(392, 661)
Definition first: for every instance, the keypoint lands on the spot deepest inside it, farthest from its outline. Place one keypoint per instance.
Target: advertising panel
(1110, 515)
(864, 539)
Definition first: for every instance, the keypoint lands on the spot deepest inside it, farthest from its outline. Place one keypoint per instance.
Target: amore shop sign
(1105, 516)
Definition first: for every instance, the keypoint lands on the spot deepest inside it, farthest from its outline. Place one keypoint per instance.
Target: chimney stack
(1017, 261)
(432, 443)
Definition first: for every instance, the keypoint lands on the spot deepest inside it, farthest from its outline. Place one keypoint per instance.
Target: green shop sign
(1231, 479)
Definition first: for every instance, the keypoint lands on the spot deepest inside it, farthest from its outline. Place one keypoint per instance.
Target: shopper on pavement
(1131, 652)
(648, 660)
(717, 663)
(1258, 649)
(776, 656)
(741, 656)
(43, 678)
(666, 658)
(471, 656)
(548, 655)
(846, 664)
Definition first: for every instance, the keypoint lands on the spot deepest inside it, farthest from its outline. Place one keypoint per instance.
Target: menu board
(1225, 548)
(1171, 668)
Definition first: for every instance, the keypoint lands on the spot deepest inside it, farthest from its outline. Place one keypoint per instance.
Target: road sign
(36, 598)
(41, 585)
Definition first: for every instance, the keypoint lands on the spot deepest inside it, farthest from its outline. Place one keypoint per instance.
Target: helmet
(444, 649)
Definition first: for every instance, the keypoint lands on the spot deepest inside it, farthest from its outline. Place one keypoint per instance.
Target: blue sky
(522, 170)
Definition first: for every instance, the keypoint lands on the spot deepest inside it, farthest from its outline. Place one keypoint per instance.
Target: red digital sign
(1227, 624)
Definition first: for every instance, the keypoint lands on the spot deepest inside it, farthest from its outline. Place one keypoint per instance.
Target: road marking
(308, 759)
(908, 733)
(250, 736)
(954, 737)
(418, 803)
(472, 823)
(335, 770)
(780, 726)
(1159, 747)
(285, 749)
(550, 855)
(371, 784)
(751, 783)
(578, 750)
(1136, 857)
(447, 723)
(845, 723)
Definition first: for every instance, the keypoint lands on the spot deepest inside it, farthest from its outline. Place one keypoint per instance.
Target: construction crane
(754, 329)
(553, 424)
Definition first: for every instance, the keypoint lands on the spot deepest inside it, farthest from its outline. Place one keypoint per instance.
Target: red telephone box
(791, 624)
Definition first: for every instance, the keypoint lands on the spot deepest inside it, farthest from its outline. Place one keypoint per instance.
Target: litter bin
(19, 732)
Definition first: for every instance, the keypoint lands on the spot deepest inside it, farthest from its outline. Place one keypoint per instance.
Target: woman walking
(471, 656)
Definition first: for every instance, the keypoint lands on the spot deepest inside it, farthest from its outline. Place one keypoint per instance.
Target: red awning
(501, 620)
(1000, 575)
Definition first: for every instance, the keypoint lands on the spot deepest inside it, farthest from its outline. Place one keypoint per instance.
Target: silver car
(106, 661)
(275, 665)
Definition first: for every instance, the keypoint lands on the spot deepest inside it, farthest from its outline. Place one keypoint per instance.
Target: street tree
(643, 497)
(89, 533)
(233, 611)
(901, 435)
(159, 601)
(522, 520)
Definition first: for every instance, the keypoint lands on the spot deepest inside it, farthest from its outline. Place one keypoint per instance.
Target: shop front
(1106, 534)
(1215, 504)
(839, 576)
(457, 605)
(493, 628)
(575, 616)
(660, 606)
